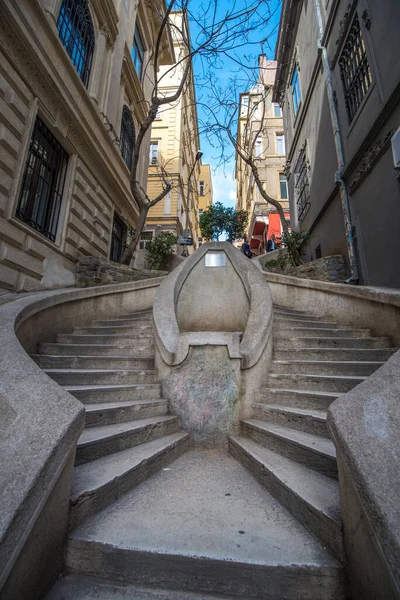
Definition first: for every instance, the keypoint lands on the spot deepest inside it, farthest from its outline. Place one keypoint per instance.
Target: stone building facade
(257, 105)
(174, 147)
(338, 82)
(72, 84)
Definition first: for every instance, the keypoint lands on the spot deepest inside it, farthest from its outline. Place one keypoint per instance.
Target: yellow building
(205, 194)
(260, 127)
(174, 150)
(74, 81)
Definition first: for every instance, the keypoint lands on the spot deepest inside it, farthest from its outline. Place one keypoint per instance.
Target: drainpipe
(344, 192)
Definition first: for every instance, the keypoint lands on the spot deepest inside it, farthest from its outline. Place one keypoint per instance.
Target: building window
(153, 159)
(167, 203)
(244, 107)
(43, 183)
(75, 29)
(145, 238)
(138, 52)
(277, 110)
(159, 114)
(354, 70)
(258, 147)
(127, 138)
(118, 239)
(201, 188)
(302, 186)
(296, 96)
(283, 186)
(280, 143)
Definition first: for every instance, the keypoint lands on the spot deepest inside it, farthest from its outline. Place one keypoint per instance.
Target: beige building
(174, 150)
(205, 194)
(260, 133)
(73, 78)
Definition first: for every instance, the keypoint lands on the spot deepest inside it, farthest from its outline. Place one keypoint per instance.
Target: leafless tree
(218, 33)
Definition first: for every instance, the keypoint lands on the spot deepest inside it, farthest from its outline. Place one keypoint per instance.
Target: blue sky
(224, 184)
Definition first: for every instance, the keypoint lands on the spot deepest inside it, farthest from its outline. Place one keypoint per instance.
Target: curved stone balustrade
(365, 427)
(213, 327)
(40, 424)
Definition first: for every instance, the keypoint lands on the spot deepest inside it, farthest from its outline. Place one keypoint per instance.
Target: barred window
(145, 238)
(75, 29)
(354, 70)
(118, 239)
(302, 186)
(43, 183)
(127, 137)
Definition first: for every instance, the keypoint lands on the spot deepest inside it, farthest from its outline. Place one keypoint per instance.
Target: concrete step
(313, 499)
(282, 330)
(115, 329)
(205, 525)
(315, 452)
(81, 587)
(144, 339)
(335, 354)
(307, 399)
(92, 394)
(119, 322)
(138, 350)
(61, 361)
(309, 322)
(324, 383)
(99, 376)
(98, 484)
(96, 442)
(310, 420)
(290, 343)
(326, 367)
(107, 413)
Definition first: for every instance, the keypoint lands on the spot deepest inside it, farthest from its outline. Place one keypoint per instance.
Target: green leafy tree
(160, 249)
(218, 219)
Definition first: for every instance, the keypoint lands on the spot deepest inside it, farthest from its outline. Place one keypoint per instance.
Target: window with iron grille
(354, 70)
(138, 52)
(302, 186)
(145, 238)
(118, 239)
(127, 137)
(75, 29)
(43, 183)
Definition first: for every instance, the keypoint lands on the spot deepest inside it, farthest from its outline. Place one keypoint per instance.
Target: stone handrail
(40, 425)
(174, 345)
(365, 427)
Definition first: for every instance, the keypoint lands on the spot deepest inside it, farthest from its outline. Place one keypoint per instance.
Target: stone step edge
(301, 412)
(116, 429)
(332, 539)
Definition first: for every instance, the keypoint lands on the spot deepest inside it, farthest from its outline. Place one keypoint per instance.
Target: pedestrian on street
(246, 248)
(271, 245)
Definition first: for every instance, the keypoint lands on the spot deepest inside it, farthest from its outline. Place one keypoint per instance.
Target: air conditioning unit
(396, 149)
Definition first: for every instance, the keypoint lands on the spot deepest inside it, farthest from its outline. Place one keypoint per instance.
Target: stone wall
(93, 270)
(329, 268)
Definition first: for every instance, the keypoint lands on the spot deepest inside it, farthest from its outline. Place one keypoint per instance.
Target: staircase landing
(205, 514)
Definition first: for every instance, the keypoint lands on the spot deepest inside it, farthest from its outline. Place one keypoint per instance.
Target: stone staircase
(153, 520)
(286, 445)
(128, 433)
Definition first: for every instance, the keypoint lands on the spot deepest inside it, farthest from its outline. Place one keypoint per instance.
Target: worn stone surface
(93, 270)
(205, 524)
(204, 392)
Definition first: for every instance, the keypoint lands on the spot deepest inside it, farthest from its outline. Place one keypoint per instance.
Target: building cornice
(284, 49)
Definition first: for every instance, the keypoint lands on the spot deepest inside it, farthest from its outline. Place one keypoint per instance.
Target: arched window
(127, 137)
(75, 28)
